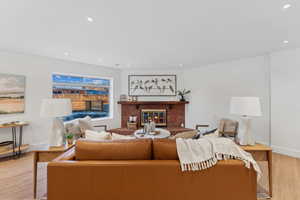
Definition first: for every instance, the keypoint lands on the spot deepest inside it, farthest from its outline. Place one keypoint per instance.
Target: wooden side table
(262, 152)
(45, 154)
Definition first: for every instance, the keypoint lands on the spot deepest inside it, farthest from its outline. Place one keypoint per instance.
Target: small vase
(182, 99)
(70, 141)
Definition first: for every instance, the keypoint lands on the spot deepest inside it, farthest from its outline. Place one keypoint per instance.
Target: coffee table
(163, 133)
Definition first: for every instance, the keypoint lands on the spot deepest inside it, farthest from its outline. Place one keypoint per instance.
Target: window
(90, 96)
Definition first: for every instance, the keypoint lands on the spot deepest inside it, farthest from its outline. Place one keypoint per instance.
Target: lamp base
(57, 135)
(245, 133)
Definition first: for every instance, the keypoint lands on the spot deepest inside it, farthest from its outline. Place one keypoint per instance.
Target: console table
(15, 146)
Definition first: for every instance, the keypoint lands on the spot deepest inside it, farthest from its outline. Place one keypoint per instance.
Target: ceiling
(148, 33)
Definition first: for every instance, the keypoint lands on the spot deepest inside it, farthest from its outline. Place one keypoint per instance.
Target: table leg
(35, 160)
(20, 140)
(270, 173)
(14, 139)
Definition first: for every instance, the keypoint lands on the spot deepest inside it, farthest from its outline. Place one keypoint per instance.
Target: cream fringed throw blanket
(205, 152)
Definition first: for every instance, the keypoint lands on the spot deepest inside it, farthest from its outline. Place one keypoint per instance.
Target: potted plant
(70, 138)
(183, 93)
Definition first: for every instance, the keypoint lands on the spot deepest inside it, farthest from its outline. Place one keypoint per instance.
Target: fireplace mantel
(153, 102)
(175, 111)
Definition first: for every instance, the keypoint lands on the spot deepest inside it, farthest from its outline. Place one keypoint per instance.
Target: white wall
(212, 87)
(38, 72)
(285, 98)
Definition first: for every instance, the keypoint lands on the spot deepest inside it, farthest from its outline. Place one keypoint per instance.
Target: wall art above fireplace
(152, 85)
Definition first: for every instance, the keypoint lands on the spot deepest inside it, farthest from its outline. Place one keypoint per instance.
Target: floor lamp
(56, 108)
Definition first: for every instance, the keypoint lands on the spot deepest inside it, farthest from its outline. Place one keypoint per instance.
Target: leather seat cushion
(136, 149)
(164, 149)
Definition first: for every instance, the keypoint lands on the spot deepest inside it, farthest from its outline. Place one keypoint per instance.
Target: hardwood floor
(16, 178)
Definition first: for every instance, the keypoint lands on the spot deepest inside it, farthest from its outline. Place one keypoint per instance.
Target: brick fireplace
(174, 110)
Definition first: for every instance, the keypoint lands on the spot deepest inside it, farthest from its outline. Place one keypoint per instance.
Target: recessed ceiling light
(180, 65)
(285, 42)
(66, 53)
(286, 6)
(89, 19)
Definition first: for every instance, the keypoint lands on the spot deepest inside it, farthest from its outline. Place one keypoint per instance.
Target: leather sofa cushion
(164, 149)
(140, 149)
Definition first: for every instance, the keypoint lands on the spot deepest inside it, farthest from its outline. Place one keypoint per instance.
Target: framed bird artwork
(152, 85)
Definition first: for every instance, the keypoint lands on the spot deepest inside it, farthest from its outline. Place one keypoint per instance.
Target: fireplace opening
(159, 116)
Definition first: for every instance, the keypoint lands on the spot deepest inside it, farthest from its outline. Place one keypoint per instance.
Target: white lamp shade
(245, 106)
(56, 108)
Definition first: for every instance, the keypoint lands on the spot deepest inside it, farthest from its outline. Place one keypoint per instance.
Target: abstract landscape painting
(152, 85)
(12, 93)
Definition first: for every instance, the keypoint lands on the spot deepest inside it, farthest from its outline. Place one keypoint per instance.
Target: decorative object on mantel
(246, 107)
(56, 108)
(152, 85)
(123, 97)
(12, 94)
(183, 93)
(134, 98)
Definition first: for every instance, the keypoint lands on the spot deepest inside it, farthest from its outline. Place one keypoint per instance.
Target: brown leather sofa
(142, 170)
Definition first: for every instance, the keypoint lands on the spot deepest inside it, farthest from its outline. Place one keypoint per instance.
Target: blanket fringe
(200, 165)
(211, 162)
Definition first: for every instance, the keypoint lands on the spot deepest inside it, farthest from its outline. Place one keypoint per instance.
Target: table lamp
(56, 108)
(246, 107)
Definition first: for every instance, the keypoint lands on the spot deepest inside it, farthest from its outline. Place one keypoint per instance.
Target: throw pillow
(205, 133)
(97, 136)
(213, 135)
(116, 136)
(73, 127)
(85, 124)
(187, 134)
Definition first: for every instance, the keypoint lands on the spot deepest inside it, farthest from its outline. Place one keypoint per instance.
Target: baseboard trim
(286, 151)
(283, 150)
